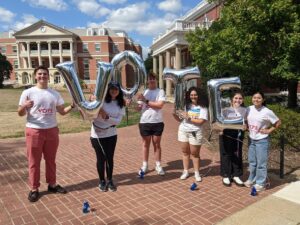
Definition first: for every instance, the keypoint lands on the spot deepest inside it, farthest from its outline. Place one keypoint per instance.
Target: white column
(177, 58)
(168, 65)
(160, 64)
(71, 50)
(155, 64)
(60, 52)
(28, 55)
(18, 55)
(50, 54)
(39, 52)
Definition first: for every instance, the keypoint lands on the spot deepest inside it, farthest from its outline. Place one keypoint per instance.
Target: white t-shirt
(102, 128)
(195, 112)
(150, 115)
(43, 113)
(232, 113)
(259, 119)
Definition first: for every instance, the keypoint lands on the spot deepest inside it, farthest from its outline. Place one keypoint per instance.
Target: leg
(225, 155)
(146, 146)
(195, 152)
(262, 149)
(252, 160)
(96, 143)
(185, 146)
(109, 148)
(34, 145)
(49, 150)
(157, 148)
(237, 157)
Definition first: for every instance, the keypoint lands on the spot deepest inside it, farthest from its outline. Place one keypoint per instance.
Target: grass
(13, 125)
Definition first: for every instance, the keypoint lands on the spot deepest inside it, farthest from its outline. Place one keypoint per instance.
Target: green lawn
(13, 126)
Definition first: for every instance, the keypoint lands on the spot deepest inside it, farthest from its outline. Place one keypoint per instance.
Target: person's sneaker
(198, 177)
(259, 187)
(102, 186)
(248, 183)
(33, 196)
(159, 170)
(184, 175)
(238, 181)
(57, 189)
(110, 186)
(226, 181)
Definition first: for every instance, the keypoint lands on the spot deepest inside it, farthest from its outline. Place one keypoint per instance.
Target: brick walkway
(154, 200)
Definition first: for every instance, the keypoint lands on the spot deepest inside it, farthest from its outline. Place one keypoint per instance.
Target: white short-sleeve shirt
(196, 112)
(259, 119)
(150, 115)
(43, 113)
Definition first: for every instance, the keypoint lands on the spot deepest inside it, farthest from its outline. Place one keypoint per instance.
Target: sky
(141, 19)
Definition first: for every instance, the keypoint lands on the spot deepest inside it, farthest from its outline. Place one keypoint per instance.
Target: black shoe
(57, 189)
(33, 196)
(102, 186)
(111, 186)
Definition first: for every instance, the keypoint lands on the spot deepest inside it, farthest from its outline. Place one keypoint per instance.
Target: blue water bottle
(253, 191)
(141, 174)
(86, 207)
(193, 187)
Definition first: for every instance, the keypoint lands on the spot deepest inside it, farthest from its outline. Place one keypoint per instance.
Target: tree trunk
(292, 97)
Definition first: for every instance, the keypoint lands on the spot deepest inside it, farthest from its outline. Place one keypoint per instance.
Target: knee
(195, 154)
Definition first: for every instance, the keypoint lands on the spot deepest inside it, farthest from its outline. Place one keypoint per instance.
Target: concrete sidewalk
(153, 200)
(280, 208)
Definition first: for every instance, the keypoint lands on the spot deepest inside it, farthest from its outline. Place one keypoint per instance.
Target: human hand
(103, 114)
(28, 103)
(141, 97)
(92, 98)
(265, 131)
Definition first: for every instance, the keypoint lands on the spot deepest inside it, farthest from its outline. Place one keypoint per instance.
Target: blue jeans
(258, 160)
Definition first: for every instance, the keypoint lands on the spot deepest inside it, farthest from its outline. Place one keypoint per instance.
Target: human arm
(62, 110)
(23, 107)
(270, 129)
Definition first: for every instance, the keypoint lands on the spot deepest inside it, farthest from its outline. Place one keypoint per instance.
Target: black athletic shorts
(149, 129)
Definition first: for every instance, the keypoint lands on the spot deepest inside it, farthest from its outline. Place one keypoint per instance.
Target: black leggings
(231, 143)
(105, 160)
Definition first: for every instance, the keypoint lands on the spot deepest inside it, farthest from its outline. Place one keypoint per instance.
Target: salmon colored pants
(41, 142)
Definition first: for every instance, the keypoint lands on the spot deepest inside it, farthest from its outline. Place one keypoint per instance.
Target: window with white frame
(86, 67)
(57, 79)
(97, 47)
(3, 49)
(16, 65)
(14, 49)
(85, 47)
(97, 60)
(33, 65)
(115, 48)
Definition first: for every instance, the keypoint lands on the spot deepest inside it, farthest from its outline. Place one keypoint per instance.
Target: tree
(5, 69)
(149, 62)
(258, 40)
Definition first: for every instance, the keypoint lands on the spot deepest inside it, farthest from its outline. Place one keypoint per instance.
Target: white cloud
(6, 15)
(27, 20)
(91, 8)
(113, 1)
(57, 5)
(170, 5)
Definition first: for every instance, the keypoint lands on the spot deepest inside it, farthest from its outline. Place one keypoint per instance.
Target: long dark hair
(202, 97)
(262, 95)
(120, 96)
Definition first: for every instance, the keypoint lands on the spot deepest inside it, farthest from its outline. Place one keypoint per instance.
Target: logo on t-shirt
(45, 111)
(194, 113)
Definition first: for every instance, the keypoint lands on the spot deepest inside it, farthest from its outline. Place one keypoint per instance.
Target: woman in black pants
(231, 143)
(104, 134)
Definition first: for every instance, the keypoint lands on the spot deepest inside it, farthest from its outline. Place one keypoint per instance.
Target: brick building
(46, 44)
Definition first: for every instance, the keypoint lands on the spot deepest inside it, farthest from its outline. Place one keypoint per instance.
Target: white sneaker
(248, 183)
(184, 175)
(238, 181)
(159, 170)
(226, 181)
(259, 187)
(198, 177)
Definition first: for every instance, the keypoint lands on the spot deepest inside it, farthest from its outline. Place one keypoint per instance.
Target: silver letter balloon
(180, 79)
(217, 102)
(89, 110)
(136, 62)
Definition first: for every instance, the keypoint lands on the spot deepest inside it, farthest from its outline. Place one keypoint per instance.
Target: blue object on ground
(253, 191)
(86, 207)
(193, 187)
